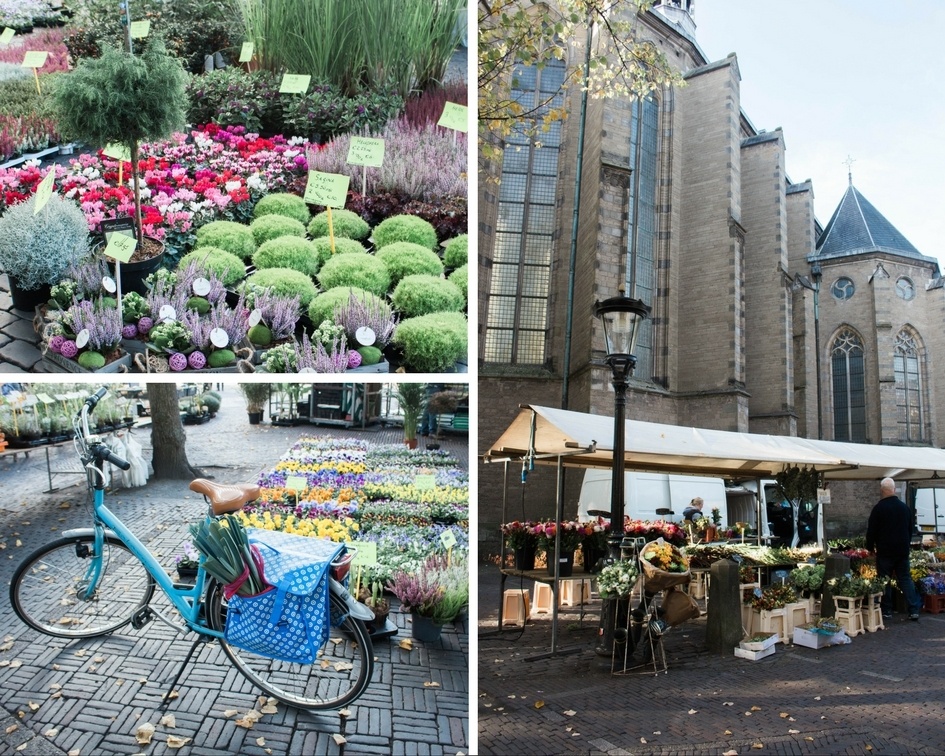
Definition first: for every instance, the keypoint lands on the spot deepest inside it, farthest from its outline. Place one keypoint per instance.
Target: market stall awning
(584, 440)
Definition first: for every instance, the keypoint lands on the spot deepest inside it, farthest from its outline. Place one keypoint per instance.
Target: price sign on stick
(246, 52)
(6, 36)
(35, 59)
(455, 116)
(294, 84)
(329, 189)
(117, 152)
(366, 151)
(448, 538)
(121, 247)
(424, 482)
(367, 553)
(44, 191)
(296, 483)
(140, 29)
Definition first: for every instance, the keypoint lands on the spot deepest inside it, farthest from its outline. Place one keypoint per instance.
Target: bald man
(889, 535)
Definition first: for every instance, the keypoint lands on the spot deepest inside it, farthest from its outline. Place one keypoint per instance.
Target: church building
(763, 319)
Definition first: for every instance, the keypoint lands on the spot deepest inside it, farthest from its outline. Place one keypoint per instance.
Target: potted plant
(412, 398)
(187, 562)
(418, 593)
(125, 99)
(373, 597)
(520, 537)
(712, 530)
(256, 396)
(36, 249)
(570, 541)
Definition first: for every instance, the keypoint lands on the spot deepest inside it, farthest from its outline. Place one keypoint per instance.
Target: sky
(846, 78)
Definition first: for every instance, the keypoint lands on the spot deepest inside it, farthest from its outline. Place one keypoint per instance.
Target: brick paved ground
(109, 686)
(882, 694)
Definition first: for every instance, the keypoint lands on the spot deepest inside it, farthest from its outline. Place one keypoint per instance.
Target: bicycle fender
(355, 608)
(79, 532)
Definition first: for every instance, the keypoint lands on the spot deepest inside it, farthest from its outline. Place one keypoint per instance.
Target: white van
(930, 510)
(644, 493)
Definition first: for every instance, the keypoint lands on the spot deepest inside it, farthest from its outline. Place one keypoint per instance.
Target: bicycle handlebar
(97, 450)
(104, 453)
(95, 398)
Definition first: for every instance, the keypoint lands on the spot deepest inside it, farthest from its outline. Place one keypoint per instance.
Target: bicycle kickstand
(166, 699)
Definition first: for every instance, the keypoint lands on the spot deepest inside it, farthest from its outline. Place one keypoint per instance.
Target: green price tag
(329, 189)
(6, 35)
(34, 59)
(44, 191)
(448, 538)
(246, 52)
(365, 151)
(366, 555)
(296, 483)
(121, 247)
(140, 29)
(294, 83)
(424, 482)
(45, 398)
(117, 152)
(454, 117)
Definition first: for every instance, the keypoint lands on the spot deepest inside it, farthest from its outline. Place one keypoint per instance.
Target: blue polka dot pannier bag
(290, 620)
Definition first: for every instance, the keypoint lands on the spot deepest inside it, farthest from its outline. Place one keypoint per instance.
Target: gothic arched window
(910, 404)
(849, 387)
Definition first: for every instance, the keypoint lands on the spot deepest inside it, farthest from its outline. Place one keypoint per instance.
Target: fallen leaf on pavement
(174, 741)
(260, 741)
(784, 715)
(569, 713)
(732, 752)
(431, 685)
(230, 712)
(539, 704)
(11, 728)
(144, 733)
(406, 644)
(758, 746)
(756, 708)
(693, 711)
(340, 739)
(794, 732)
(169, 720)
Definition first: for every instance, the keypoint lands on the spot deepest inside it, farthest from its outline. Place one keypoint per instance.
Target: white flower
(232, 186)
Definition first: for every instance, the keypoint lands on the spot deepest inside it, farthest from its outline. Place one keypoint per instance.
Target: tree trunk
(167, 434)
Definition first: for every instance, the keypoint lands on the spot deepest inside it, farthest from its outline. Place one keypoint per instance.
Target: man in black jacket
(889, 534)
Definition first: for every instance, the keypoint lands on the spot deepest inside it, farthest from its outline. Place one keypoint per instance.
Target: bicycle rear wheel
(339, 675)
(45, 588)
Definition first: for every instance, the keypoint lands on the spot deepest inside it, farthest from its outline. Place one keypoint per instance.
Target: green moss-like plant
(456, 251)
(405, 228)
(273, 226)
(408, 259)
(323, 307)
(422, 294)
(362, 271)
(235, 238)
(288, 252)
(322, 245)
(370, 355)
(460, 278)
(221, 358)
(432, 343)
(285, 282)
(345, 224)
(200, 304)
(38, 248)
(225, 266)
(260, 335)
(91, 360)
(123, 98)
(289, 205)
(211, 402)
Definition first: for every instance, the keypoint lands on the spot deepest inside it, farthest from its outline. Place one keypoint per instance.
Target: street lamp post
(621, 318)
(817, 274)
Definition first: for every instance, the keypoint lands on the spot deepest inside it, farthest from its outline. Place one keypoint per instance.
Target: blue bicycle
(94, 581)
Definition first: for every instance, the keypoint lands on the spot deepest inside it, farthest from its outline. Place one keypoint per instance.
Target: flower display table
(873, 613)
(849, 614)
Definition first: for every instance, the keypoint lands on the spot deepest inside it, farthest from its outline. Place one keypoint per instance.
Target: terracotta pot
(411, 443)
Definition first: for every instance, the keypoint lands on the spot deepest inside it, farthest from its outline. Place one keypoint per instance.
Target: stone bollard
(724, 620)
(835, 565)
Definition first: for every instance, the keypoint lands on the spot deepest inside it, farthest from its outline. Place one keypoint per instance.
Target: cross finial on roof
(849, 164)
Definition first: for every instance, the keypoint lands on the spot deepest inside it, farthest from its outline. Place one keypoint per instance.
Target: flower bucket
(565, 565)
(424, 628)
(525, 558)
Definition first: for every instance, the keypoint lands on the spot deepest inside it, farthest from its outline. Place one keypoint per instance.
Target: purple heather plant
(103, 324)
(279, 313)
(318, 358)
(374, 314)
(88, 276)
(187, 276)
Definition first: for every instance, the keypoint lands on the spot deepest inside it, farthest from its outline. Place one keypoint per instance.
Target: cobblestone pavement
(882, 694)
(89, 696)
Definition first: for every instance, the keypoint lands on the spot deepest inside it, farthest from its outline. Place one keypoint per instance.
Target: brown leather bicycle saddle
(225, 498)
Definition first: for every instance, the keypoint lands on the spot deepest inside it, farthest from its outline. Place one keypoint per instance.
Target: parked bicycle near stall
(93, 581)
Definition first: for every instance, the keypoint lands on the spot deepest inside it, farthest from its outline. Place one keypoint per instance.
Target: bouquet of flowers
(616, 580)
(664, 565)
(652, 530)
(519, 535)
(570, 535)
(933, 584)
(595, 533)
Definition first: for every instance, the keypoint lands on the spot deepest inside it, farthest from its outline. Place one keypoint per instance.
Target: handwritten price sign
(367, 152)
(35, 59)
(140, 29)
(246, 52)
(294, 83)
(454, 117)
(121, 247)
(44, 191)
(367, 554)
(328, 189)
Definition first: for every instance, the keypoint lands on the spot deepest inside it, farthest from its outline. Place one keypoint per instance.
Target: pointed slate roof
(857, 228)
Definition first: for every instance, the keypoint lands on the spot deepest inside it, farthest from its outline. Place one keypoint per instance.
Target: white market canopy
(580, 439)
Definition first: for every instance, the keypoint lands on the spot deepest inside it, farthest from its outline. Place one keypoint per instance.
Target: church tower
(678, 13)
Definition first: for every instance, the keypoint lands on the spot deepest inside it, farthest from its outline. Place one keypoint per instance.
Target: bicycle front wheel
(46, 587)
(338, 676)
